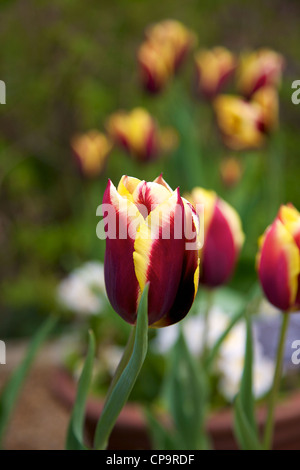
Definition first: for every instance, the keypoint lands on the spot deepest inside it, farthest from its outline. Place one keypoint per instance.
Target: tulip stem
(268, 434)
(209, 304)
(126, 375)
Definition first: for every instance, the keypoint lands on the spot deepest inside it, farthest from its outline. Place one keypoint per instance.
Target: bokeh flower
(83, 291)
(231, 171)
(160, 55)
(230, 365)
(240, 122)
(257, 69)
(138, 133)
(267, 98)
(278, 260)
(214, 67)
(193, 328)
(155, 65)
(223, 237)
(146, 242)
(174, 34)
(91, 151)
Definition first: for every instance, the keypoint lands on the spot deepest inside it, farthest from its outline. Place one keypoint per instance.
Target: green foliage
(186, 396)
(12, 388)
(126, 375)
(244, 417)
(75, 438)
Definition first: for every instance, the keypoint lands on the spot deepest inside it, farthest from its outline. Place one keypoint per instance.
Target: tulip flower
(267, 98)
(258, 69)
(146, 242)
(175, 35)
(278, 259)
(156, 65)
(231, 171)
(138, 133)
(91, 151)
(223, 237)
(240, 122)
(213, 69)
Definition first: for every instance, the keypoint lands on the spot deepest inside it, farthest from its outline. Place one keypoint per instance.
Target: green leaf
(245, 434)
(12, 388)
(162, 438)
(187, 393)
(245, 423)
(123, 386)
(75, 440)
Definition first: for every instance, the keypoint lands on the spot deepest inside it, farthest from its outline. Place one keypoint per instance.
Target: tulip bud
(223, 237)
(213, 69)
(258, 69)
(175, 35)
(91, 151)
(240, 122)
(278, 259)
(146, 242)
(156, 65)
(138, 133)
(231, 170)
(267, 98)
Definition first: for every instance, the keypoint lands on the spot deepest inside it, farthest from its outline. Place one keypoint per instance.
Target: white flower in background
(267, 310)
(218, 321)
(231, 364)
(165, 338)
(83, 291)
(193, 330)
(110, 358)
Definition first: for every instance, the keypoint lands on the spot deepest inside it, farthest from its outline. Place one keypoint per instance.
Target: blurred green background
(67, 65)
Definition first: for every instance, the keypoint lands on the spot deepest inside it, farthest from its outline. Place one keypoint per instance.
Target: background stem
(268, 436)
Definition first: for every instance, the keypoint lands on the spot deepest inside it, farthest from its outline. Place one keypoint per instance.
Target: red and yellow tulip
(267, 99)
(161, 54)
(223, 237)
(138, 133)
(150, 245)
(173, 34)
(155, 65)
(240, 122)
(91, 151)
(257, 69)
(278, 259)
(231, 171)
(213, 69)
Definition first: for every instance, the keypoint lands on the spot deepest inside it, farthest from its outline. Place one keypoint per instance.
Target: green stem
(209, 304)
(123, 362)
(268, 435)
(126, 375)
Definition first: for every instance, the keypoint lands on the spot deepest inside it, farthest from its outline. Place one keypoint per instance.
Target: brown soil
(39, 420)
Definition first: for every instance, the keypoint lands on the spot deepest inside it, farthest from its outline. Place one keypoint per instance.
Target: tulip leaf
(245, 423)
(187, 396)
(245, 434)
(75, 440)
(12, 388)
(162, 438)
(121, 390)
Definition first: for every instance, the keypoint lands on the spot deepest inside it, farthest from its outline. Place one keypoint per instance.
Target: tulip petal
(279, 266)
(121, 283)
(159, 255)
(160, 180)
(127, 186)
(219, 254)
(189, 280)
(147, 196)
